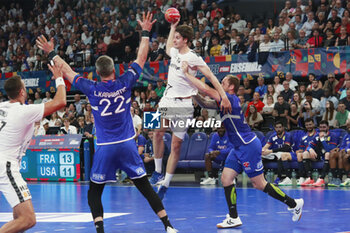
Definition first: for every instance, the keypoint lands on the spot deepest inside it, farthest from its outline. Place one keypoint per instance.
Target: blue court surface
(62, 207)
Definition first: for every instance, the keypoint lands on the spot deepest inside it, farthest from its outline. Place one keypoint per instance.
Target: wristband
(145, 33)
(59, 81)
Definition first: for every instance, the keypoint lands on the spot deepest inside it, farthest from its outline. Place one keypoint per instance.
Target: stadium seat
(184, 147)
(267, 136)
(196, 150)
(260, 135)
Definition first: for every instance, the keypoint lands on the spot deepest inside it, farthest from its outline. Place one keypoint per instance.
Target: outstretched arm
(202, 87)
(146, 25)
(225, 103)
(170, 43)
(205, 103)
(48, 47)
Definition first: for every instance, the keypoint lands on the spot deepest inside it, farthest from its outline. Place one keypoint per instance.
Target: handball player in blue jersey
(246, 155)
(110, 101)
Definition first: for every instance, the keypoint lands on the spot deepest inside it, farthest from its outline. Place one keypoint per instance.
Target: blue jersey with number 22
(110, 102)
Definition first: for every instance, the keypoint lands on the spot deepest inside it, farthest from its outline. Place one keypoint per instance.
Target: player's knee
(158, 135)
(28, 221)
(226, 180)
(258, 185)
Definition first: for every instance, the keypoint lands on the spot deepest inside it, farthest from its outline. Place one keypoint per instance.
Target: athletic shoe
(277, 180)
(161, 191)
(334, 183)
(156, 178)
(308, 182)
(346, 183)
(300, 181)
(319, 183)
(297, 210)
(285, 182)
(229, 222)
(171, 230)
(208, 181)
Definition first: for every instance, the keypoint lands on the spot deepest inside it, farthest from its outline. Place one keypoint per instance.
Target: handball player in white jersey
(16, 130)
(176, 103)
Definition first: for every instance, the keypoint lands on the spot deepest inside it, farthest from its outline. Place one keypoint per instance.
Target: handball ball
(172, 15)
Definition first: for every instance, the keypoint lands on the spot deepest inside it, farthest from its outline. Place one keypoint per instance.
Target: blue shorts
(109, 158)
(220, 158)
(246, 157)
(294, 156)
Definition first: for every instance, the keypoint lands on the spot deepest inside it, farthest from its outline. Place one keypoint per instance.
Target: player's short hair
(104, 66)
(279, 123)
(309, 120)
(233, 80)
(185, 31)
(13, 86)
(324, 122)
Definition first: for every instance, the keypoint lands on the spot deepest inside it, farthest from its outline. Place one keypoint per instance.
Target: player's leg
(285, 158)
(231, 170)
(320, 181)
(25, 218)
(333, 163)
(94, 200)
(301, 169)
(174, 157)
(158, 149)
(132, 164)
(346, 164)
(16, 192)
(308, 169)
(209, 168)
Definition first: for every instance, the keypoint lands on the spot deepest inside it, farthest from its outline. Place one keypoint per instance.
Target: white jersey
(178, 84)
(17, 128)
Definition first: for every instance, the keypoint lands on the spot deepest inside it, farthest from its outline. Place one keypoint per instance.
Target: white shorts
(175, 110)
(12, 185)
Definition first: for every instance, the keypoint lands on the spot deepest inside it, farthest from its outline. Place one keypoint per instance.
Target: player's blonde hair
(104, 66)
(233, 80)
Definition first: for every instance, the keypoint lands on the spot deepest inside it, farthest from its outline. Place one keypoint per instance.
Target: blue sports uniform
(110, 103)
(246, 152)
(345, 143)
(221, 144)
(305, 141)
(276, 142)
(321, 147)
(141, 141)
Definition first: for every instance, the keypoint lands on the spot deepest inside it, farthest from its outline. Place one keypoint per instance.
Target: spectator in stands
(270, 29)
(331, 83)
(78, 103)
(47, 97)
(160, 88)
(283, 26)
(226, 47)
(292, 83)
(308, 25)
(129, 55)
(154, 100)
(304, 164)
(319, 148)
(297, 99)
(280, 110)
(341, 82)
(330, 114)
(54, 119)
(198, 49)
(333, 17)
(328, 97)
(215, 50)
(248, 90)
(344, 23)
(277, 85)
(148, 156)
(287, 93)
(68, 128)
(329, 40)
(218, 150)
(238, 24)
(302, 40)
(87, 110)
(278, 147)
(338, 9)
(39, 128)
(81, 125)
(239, 47)
(290, 41)
(270, 91)
(137, 121)
(256, 102)
(148, 91)
(343, 91)
(37, 100)
(342, 116)
(343, 39)
(207, 43)
(143, 100)
(293, 117)
(307, 111)
(251, 48)
(316, 40)
(254, 118)
(261, 88)
(265, 45)
(156, 54)
(317, 92)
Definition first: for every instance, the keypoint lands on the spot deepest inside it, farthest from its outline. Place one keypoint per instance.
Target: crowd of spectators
(84, 30)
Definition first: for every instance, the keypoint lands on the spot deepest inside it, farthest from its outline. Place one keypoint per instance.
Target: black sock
(166, 222)
(211, 174)
(99, 227)
(301, 170)
(231, 196)
(278, 194)
(340, 173)
(279, 169)
(325, 169)
(307, 167)
(348, 175)
(334, 172)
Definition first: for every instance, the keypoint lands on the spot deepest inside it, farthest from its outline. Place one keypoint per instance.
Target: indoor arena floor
(62, 207)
